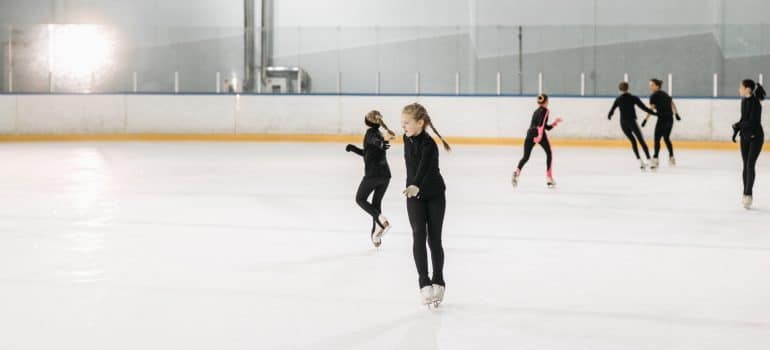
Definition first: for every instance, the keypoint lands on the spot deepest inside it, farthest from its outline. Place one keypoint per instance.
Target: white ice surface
(261, 246)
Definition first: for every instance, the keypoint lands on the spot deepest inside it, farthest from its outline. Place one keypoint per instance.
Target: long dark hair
(755, 88)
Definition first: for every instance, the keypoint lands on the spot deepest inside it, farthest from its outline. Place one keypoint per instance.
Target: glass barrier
(697, 60)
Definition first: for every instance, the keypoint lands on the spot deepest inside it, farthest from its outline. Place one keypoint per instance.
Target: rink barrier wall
(308, 138)
(484, 120)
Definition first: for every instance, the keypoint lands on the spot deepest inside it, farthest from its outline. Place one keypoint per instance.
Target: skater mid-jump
(536, 134)
(426, 202)
(627, 104)
(376, 173)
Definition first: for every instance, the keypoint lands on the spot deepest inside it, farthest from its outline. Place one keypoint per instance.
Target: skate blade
(385, 229)
(376, 244)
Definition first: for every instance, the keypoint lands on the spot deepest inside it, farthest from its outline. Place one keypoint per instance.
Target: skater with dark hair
(666, 110)
(627, 104)
(426, 201)
(377, 173)
(752, 134)
(536, 134)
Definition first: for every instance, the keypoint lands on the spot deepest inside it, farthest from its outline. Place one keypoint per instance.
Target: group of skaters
(425, 188)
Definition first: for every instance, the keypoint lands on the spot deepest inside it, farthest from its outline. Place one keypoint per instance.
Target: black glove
(644, 122)
(736, 130)
(349, 148)
(678, 118)
(609, 116)
(386, 145)
(736, 127)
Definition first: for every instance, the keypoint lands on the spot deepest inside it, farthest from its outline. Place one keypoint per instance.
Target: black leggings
(427, 218)
(529, 143)
(634, 134)
(751, 147)
(367, 186)
(663, 130)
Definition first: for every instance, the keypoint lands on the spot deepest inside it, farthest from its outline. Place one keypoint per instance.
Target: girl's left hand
(557, 121)
(411, 191)
(388, 137)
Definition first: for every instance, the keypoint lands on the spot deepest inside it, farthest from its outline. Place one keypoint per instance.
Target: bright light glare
(77, 51)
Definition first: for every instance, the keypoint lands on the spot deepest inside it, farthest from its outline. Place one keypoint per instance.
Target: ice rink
(261, 246)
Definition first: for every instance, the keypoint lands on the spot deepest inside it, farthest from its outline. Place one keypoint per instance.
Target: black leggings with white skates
(427, 218)
(634, 134)
(367, 186)
(751, 147)
(529, 144)
(663, 131)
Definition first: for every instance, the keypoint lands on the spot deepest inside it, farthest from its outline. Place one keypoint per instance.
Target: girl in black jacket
(627, 104)
(665, 110)
(752, 134)
(377, 173)
(536, 135)
(426, 202)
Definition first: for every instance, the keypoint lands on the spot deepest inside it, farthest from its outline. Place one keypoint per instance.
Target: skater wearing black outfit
(752, 134)
(665, 108)
(426, 202)
(627, 104)
(377, 173)
(536, 135)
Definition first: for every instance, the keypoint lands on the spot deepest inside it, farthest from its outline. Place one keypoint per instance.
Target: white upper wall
(405, 13)
(372, 13)
(390, 13)
(139, 13)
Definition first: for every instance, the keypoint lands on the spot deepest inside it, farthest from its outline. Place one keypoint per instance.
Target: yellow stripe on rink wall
(490, 141)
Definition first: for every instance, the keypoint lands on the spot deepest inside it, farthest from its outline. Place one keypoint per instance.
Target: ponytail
(432, 127)
(759, 92)
(375, 119)
(382, 122)
(418, 112)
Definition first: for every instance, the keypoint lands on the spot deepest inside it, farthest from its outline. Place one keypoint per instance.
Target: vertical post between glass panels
(10, 58)
(457, 83)
(540, 83)
(417, 83)
(299, 80)
(259, 81)
(670, 84)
